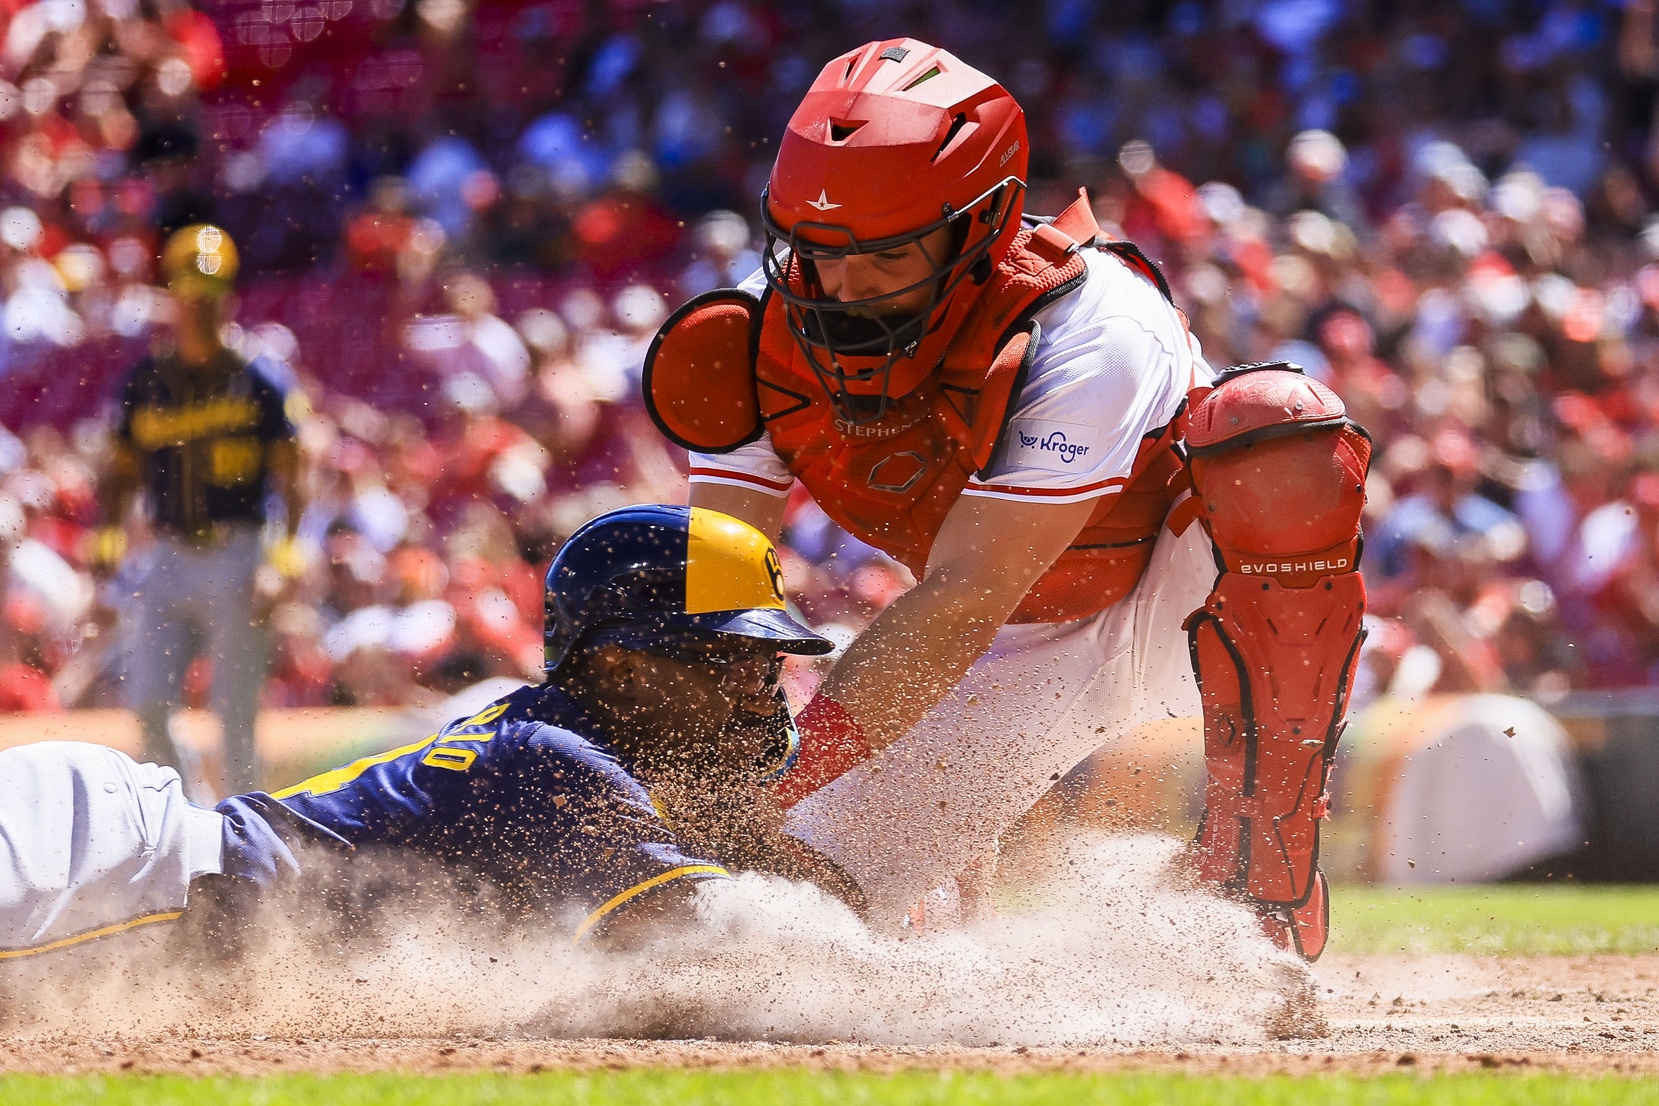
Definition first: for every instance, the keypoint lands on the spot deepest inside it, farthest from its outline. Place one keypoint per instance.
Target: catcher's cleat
(1303, 929)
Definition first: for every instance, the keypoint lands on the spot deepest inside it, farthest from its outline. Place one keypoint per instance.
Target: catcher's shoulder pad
(699, 379)
(1252, 403)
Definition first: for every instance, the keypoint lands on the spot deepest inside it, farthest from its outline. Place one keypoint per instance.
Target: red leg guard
(1302, 930)
(1280, 474)
(1274, 666)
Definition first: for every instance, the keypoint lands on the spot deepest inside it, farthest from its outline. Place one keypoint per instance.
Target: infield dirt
(1570, 1014)
(1121, 968)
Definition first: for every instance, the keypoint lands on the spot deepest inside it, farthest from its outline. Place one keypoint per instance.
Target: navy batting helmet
(654, 574)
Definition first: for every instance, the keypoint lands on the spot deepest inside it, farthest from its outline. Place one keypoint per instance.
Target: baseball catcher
(1014, 408)
(664, 632)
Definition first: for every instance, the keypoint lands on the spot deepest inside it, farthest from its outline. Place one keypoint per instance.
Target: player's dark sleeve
(600, 833)
(549, 817)
(264, 840)
(394, 799)
(129, 400)
(274, 424)
(266, 836)
(267, 851)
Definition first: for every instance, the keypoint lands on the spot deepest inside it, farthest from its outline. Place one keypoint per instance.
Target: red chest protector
(892, 482)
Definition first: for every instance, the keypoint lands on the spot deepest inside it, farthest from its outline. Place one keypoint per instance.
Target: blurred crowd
(462, 220)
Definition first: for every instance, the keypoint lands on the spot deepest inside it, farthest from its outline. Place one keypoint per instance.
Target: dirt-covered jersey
(525, 794)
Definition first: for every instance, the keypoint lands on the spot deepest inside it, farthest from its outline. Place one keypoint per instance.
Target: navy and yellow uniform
(524, 812)
(202, 442)
(209, 440)
(203, 436)
(524, 794)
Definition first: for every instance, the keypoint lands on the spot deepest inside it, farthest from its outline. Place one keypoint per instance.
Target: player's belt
(214, 533)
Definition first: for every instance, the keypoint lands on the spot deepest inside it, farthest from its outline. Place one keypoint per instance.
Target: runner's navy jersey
(524, 793)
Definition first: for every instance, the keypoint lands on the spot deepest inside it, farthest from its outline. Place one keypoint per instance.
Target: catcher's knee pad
(1279, 473)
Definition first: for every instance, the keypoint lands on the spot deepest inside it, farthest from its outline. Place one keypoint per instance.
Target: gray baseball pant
(204, 593)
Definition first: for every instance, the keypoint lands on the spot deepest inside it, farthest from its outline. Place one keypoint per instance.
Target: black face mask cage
(858, 328)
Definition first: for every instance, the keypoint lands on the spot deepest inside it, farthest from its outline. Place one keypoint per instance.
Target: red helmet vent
(928, 76)
(843, 129)
(957, 126)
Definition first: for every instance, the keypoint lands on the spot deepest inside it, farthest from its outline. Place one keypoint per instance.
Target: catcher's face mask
(862, 351)
(894, 140)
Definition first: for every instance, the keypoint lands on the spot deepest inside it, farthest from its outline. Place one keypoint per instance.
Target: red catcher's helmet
(892, 142)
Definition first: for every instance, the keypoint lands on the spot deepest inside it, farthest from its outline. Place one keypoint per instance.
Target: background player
(1005, 409)
(664, 626)
(204, 433)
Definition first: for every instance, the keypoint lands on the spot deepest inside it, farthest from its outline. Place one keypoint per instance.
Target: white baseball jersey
(1113, 363)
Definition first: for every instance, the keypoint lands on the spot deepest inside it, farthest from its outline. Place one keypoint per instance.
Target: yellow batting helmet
(656, 574)
(199, 261)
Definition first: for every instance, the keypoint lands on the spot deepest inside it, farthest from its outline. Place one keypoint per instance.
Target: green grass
(685, 1088)
(1519, 919)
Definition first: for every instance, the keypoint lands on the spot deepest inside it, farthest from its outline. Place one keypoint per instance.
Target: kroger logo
(1054, 442)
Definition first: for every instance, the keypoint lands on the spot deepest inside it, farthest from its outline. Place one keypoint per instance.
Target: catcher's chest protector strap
(892, 482)
(1280, 474)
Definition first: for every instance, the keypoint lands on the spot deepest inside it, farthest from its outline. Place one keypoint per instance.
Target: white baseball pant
(1040, 701)
(92, 845)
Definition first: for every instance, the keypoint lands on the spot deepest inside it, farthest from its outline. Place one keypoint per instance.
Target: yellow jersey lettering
(456, 760)
(477, 728)
(337, 778)
(233, 461)
(488, 715)
(154, 427)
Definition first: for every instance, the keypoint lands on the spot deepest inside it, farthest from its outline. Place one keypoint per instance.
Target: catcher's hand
(766, 848)
(740, 826)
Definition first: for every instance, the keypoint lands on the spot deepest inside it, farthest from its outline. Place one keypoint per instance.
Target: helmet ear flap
(699, 378)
